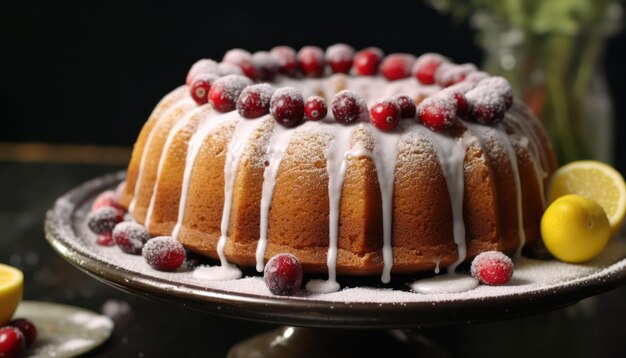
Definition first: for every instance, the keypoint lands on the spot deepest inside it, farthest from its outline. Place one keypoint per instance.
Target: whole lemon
(575, 229)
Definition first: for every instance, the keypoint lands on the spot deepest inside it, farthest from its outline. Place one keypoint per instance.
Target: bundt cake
(240, 172)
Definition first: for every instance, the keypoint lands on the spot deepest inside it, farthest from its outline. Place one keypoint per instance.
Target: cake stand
(66, 231)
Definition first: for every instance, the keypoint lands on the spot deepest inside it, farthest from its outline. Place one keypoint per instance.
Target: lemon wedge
(594, 180)
(575, 229)
(11, 286)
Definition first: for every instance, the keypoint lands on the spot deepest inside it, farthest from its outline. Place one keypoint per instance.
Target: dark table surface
(593, 327)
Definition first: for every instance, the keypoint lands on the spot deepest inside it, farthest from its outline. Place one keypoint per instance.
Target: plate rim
(301, 312)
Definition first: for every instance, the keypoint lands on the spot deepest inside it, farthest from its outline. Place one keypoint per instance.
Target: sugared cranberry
(462, 107)
(407, 106)
(315, 108)
(283, 274)
(437, 113)
(201, 86)
(339, 57)
(12, 342)
(27, 328)
(130, 237)
(348, 107)
(164, 253)
(107, 198)
(105, 239)
(500, 87)
(225, 69)
(397, 66)
(254, 100)
(104, 219)
(448, 74)
(287, 106)
(225, 91)
(486, 106)
(237, 56)
(311, 61)
(366, 61)
(202, 66)
(492, 268)
(267, 66)
(425, 67)
(286, 57)
(249, 70)
(385, 114)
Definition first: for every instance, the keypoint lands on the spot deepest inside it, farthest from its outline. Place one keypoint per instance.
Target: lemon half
(596, 181)
(11, 287)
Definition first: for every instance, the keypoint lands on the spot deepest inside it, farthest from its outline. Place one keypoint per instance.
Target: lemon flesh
(575, 229)
(11, 287)
(594, 180)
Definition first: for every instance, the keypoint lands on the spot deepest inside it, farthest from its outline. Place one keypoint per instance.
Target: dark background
(90, 72)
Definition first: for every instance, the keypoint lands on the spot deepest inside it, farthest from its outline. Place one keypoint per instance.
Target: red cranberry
(225, 91)
(492, 268)
(287, 106)
(107, 198)
(164, 253)
(201, 86)
(286, 57)
(385, 114)
(425, 67)
(254, 100)
(267, 66)
(366, 61)
(311, 61)
(500, 87)
(283, 274)
(237, 56)
(12, 342)
(104, 219)
(249, 70)
(462, 108)
(130, 237)
(202, 66)
(348, 107)
(315, 108)
(487, 106)
(437, 113)
(27, 328)
(105, 239)
(448, 73)
(407, 106)
(397, 66)
(339, 57)
(225, 69)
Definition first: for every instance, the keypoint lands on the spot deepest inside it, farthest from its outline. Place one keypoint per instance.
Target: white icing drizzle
(528, 135)
(276, 148)
(180, 103)
(336, 163)
(450, 283)
(498, 133)
(168, 142)
(437, 263)
(206, 125)
(243, 130)
(451, 155)
(384, 157)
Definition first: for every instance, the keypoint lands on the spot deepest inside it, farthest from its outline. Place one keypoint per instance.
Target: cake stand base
(287, 341)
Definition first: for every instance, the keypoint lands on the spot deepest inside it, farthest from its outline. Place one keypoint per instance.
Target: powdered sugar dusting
(450, 73)
(500, 87)
(201, 66)
(232, 86)
(225, 69)
(339, 52)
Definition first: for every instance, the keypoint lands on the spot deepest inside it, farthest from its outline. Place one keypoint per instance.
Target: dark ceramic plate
(65, 231)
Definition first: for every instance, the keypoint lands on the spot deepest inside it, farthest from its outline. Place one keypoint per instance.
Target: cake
(354, 198)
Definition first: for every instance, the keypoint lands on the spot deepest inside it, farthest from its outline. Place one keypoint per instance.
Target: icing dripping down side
(451, 155)
(243, 131)
(275, 150)
(337, 156)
